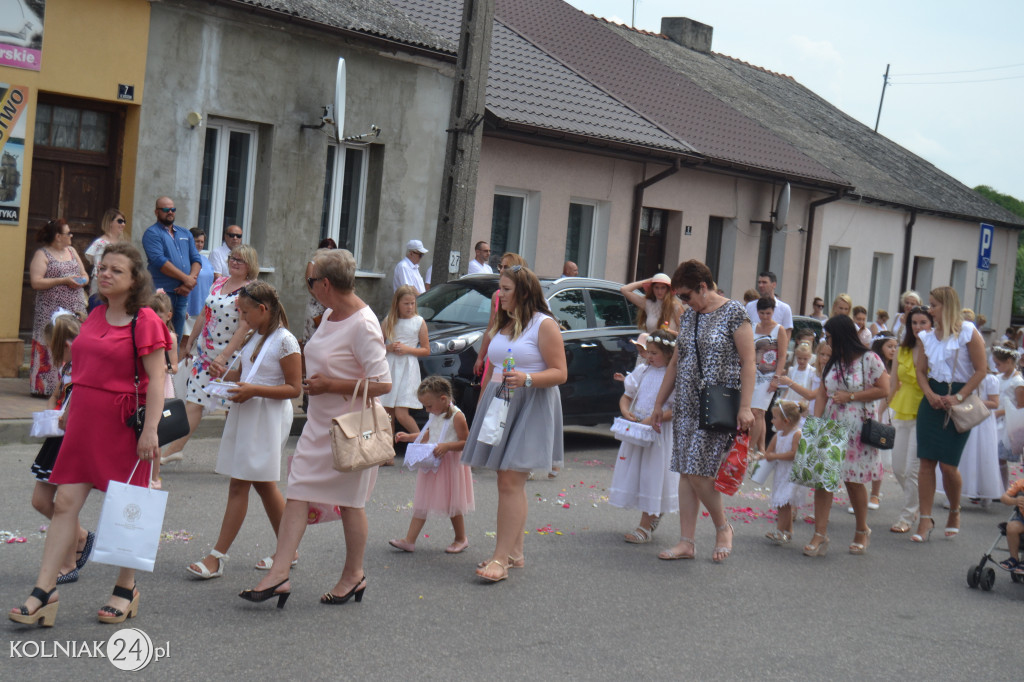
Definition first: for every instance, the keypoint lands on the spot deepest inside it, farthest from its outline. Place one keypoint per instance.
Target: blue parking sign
(985, 246)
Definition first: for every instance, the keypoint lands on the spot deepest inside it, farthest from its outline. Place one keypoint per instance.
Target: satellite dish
(782, 209)
(339, 102)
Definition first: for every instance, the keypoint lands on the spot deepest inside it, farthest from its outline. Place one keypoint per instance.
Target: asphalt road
(588, 605)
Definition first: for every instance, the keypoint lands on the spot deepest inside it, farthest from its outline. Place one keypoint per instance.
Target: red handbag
(734, 468)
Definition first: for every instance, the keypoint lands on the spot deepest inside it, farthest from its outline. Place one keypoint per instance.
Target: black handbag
(719, 405)
(873, 432)
(173, 420)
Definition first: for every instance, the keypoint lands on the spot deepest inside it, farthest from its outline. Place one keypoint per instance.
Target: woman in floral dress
(220, 336)
(58, 275)
(852, 380)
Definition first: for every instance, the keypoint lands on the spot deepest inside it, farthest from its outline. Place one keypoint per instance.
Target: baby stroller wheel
(988, 579)
(973, 577)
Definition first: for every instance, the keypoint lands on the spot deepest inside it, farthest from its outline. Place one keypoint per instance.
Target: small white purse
(419, 456)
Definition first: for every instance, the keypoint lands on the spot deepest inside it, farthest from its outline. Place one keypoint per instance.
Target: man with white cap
(408, 269)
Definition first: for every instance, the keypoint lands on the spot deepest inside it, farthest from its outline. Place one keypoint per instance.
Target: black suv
(597, 324)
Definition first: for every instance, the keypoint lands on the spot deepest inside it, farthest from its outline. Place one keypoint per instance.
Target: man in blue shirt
(173, 259)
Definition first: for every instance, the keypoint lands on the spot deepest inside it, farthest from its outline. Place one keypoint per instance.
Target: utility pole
(452, 241)
(885, 82)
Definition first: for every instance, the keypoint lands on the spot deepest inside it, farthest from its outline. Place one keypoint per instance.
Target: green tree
(1015, 206)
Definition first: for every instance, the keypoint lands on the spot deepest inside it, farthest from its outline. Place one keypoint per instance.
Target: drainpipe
(907, 236)
(638, 205)
(809, 243)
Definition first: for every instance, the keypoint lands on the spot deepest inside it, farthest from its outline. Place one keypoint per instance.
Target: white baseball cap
(415, 245)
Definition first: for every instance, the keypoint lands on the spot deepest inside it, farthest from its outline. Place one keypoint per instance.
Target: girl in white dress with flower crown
(642, 478)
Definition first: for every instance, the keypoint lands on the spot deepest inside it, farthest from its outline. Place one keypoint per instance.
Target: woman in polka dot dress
(222, 334)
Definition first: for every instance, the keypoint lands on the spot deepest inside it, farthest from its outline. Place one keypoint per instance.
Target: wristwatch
(529, 381)
(959, 398)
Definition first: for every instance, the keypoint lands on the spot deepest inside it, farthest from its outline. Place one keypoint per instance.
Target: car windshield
(458, 302)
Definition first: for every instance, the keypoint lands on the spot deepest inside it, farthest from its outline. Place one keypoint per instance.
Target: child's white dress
(1007, 401)
(979, 463)
(405, 369)
(784, 491)
(448, 491)
(807, 378)
(255, 431)
(642, 479)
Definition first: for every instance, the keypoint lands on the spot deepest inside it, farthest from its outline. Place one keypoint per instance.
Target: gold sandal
(499, 562)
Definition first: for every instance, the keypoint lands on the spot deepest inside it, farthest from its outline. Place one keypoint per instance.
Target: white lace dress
(785, 491)
(642, 479)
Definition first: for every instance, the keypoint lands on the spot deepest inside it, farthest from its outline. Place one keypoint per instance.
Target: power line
(982, 80)
(949, 73)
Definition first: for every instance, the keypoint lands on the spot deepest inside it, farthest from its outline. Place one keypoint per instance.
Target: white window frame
(837, 273)
(225, 127)
(525, 196)
(594, 229)
(881, 282)
(334, 213)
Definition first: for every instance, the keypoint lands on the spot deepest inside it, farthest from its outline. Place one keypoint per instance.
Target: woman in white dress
(257, 427)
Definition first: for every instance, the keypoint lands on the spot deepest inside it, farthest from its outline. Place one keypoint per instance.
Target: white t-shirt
(783, 314)
(219, 260)
(476, 266)
(407, 272)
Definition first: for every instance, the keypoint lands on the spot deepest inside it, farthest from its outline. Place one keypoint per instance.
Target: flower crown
(60, 312)
(671, 343)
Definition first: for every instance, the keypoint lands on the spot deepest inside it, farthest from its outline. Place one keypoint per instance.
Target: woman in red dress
(100, 447)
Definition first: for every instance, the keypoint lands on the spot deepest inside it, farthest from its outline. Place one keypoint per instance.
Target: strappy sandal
(721, 551)
(493, 579)
(669, 555)
(267, 563)
(108, 614)
(640, 536)
(818, 550)
(861, 548)
(45, 615)
(917, 537)
(779, 537)
(204, 572)
(513, 562)
(900, 527)
(951, 531)
(655, 520)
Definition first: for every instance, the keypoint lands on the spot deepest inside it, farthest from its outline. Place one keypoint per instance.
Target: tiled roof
(675, 103)
(378, 18)
(528, 87)
(877, 167)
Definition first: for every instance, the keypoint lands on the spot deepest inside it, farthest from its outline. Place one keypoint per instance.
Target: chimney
(688, 33)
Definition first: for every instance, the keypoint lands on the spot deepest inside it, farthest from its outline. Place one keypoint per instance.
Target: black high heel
(332, 599)
(264, 595)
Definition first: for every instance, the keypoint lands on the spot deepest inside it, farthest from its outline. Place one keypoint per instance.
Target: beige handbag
(969, 413)
(363, 438)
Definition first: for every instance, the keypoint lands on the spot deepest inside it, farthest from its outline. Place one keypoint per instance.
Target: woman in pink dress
(347, 346)
(98, 447)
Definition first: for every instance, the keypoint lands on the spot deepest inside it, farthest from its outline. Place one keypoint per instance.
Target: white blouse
(943, 353)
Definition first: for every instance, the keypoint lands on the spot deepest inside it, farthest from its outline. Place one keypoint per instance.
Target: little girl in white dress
(642, 478)
(786, 495)
(406, 341)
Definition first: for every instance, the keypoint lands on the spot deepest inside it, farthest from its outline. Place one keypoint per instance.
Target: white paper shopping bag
(131, 521)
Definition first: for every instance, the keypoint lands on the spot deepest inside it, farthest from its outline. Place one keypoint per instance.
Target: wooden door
(651, 254)
(75, 175)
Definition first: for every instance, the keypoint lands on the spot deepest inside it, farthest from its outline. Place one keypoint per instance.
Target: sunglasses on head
(245, 291)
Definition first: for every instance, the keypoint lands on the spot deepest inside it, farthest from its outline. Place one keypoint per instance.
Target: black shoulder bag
(873, 432)
(719, 405)
(173, 420)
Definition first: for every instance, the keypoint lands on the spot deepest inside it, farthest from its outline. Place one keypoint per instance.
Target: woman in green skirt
(951, 367)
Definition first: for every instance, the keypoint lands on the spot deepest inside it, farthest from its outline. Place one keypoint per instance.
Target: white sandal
(203, 571)
(779, 537)
(640, 536)
(267, 563)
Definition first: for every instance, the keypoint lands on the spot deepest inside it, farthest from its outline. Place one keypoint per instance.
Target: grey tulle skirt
(533, 432)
